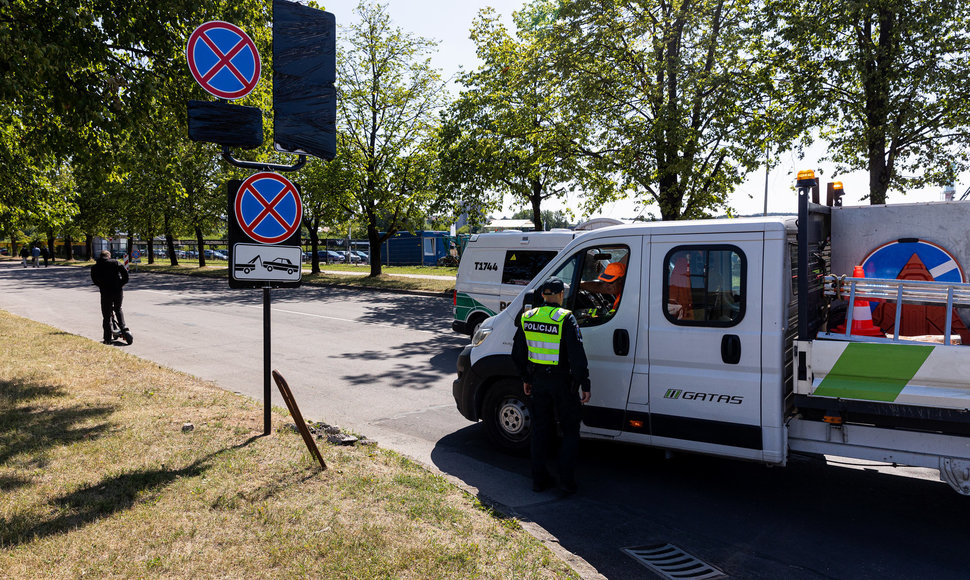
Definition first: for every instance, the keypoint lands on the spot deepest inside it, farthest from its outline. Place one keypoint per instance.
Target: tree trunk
(89, 246)
(199, 241)
(50, 244)
(169, 239)
(374, 239)
(68, 247)
(170, 245)
(314, 246)
(151, 249)
(536, 199)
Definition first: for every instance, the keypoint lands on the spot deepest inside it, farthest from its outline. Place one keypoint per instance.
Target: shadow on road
(415, 374)
(806, 520)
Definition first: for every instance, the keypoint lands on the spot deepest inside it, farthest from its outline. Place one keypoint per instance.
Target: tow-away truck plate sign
(265, 263)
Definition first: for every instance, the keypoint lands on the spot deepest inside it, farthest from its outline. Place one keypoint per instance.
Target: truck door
(603, 291)
(704, 346)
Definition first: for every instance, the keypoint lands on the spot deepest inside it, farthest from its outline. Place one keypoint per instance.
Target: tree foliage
(890, 78)
(508, 132)
(323, 191)
(677, 92)
(99, 87)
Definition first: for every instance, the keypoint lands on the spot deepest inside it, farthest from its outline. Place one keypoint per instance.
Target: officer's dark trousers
(552, 397)
(111, 302)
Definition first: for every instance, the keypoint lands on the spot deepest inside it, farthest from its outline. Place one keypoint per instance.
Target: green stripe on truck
(465, 305)
(873, 372)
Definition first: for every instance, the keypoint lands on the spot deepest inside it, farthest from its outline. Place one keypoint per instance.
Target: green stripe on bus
(873, 372)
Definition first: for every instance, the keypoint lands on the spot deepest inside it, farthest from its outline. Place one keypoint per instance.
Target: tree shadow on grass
(97, 501)
(29, 427)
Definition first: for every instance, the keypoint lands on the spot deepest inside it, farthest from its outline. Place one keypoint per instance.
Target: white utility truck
(751, 338)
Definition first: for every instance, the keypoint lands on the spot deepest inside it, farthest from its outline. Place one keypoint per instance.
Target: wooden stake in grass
(298, 417)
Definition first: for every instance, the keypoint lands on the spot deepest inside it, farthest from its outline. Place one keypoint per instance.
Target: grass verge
(99, 480)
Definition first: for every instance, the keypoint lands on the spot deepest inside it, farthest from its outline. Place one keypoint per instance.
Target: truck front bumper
(466, 385)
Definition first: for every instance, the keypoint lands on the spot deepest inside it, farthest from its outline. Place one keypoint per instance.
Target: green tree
(79, 77)
(678, 93)
(551, 219)
(508, 132)
(323, 191)
(389, 96)
(890, 78)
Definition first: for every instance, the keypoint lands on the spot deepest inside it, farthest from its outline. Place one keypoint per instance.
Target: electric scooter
(117, 332)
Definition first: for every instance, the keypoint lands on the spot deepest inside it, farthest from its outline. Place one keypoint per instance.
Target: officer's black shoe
(542, 484)
(107, 341)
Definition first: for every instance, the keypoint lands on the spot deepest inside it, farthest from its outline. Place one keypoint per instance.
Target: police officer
(110, 277)
(548, 351)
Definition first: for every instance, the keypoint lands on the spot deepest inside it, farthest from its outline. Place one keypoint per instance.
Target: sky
(448, 22)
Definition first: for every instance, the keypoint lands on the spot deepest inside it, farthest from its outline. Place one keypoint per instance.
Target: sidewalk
(423, 276)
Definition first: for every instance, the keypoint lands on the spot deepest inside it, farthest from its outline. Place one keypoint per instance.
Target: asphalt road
(381, 364)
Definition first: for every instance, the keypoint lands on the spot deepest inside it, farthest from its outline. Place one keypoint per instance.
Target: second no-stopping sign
(268, 208)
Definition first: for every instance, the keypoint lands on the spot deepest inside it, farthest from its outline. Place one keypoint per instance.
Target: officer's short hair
(105, 254)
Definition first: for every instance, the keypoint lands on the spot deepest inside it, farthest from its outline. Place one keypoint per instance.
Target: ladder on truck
(916, 292)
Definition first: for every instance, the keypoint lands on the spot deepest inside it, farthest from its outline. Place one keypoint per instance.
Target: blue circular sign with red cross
(268, 208)
(223, 59)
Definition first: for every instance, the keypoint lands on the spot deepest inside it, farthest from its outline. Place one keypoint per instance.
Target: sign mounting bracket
(227, 155)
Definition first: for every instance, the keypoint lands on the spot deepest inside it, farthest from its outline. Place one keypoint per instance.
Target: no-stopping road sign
(253, 218)
(223, 59)
(268, 208)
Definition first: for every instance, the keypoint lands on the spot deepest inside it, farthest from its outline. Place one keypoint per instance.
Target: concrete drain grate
(671, 562)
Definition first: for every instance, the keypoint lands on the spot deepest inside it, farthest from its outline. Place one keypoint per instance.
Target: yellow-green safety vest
(543, 333)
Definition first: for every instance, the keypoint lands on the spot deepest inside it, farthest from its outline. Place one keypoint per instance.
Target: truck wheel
(508, 421)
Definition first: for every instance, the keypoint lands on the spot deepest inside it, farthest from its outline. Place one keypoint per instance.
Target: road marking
(345, 319)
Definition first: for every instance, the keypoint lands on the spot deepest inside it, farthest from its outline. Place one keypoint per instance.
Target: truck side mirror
(529, 300)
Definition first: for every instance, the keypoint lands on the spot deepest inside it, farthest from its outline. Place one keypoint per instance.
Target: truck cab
(678, 356)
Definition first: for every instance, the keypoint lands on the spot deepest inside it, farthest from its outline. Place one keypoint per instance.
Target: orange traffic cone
(861, 313)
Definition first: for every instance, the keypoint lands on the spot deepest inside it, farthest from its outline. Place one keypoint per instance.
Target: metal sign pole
(267, 391)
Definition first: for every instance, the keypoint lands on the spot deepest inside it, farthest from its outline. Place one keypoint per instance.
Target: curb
(579, 565)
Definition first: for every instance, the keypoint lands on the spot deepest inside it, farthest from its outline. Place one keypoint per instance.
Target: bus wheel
(508, 421)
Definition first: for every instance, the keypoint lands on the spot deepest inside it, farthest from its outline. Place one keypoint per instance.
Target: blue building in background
(420, 248)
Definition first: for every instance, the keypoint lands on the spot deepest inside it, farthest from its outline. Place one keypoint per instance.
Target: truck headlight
(480, 336)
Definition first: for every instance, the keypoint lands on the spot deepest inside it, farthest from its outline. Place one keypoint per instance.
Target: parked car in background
(364, 256)
(350, 257)
(330, 256)
(215, 255)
